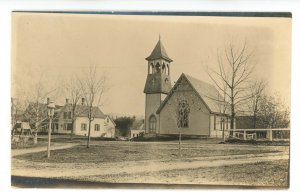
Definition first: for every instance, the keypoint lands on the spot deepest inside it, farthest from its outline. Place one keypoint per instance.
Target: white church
(197, 102)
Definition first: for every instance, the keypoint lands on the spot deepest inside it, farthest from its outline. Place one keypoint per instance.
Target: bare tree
(181, 102)
(74, 91)
(35, 112)
(257, 90)
(93, 87)
(234, 71)
(16, 109)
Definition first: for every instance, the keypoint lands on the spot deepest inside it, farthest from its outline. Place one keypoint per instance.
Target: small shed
(22, 128)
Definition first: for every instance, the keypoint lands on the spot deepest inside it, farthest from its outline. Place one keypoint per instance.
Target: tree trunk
(49, 137)
(232, 119)
(180, 142)
(89, 135)
(72, 131)
(254, 121)
(223, 129)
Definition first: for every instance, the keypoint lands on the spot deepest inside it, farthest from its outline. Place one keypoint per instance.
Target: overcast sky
(52, 47)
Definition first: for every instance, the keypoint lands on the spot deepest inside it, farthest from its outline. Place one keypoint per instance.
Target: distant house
(137, 128)
(36, 114)
(21, 128)
(101, 126)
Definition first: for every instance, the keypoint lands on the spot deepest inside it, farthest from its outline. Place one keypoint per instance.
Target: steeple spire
(159, 52)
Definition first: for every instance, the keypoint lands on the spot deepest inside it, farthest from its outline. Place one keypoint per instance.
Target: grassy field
(102, 151)
(158, 162)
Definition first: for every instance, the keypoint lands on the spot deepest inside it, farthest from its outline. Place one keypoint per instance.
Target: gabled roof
(159, 52)
(111, 119)
(82, 111)
(207, 92)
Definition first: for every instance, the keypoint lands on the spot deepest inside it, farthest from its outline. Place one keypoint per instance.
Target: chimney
(48, 100)
(67, 101)
(82, 101)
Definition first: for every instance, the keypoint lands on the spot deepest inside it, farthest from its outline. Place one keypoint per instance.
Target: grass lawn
(130, 162)
(102, 151)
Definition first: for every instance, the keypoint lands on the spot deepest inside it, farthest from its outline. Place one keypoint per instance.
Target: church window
(152, 68)
(183, 114)
(163, 68)
(157, 67)
(152, 124)
(167, 69)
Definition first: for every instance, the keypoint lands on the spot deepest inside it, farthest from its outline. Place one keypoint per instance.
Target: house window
(183, 114)
(97, 127)
(68, 126)
(65, 115)
(83, 126)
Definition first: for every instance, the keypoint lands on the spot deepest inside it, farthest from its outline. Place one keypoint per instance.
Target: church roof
(159, 52)
(207, 92)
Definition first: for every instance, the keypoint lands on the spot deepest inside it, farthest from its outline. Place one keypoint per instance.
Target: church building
(191, 104)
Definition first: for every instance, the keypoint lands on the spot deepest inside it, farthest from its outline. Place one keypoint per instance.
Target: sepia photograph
(150, 99)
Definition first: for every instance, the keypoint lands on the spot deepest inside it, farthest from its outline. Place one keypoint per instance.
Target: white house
(101, 126)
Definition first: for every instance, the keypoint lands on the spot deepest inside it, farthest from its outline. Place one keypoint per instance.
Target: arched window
(152, 124)
(157, 67)
(183, 111)
(151, 68)
(168, 69)
(164, 68)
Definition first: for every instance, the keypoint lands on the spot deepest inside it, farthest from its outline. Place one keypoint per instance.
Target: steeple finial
(159, 36)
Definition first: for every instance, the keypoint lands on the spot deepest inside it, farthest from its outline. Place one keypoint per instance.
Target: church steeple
(159, 52)
(158, 85)
(158, 79)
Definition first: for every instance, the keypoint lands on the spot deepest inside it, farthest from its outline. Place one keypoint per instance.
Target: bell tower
(158, 85)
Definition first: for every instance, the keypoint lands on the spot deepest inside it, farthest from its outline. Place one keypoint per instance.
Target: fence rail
(253, 133)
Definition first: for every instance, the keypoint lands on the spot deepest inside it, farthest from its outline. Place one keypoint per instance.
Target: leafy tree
(273, 113)
(123, 124)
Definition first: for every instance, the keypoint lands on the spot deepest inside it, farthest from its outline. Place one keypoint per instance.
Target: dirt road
(83, 171)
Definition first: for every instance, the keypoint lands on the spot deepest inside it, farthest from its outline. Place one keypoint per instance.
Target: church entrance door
(152, 124)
